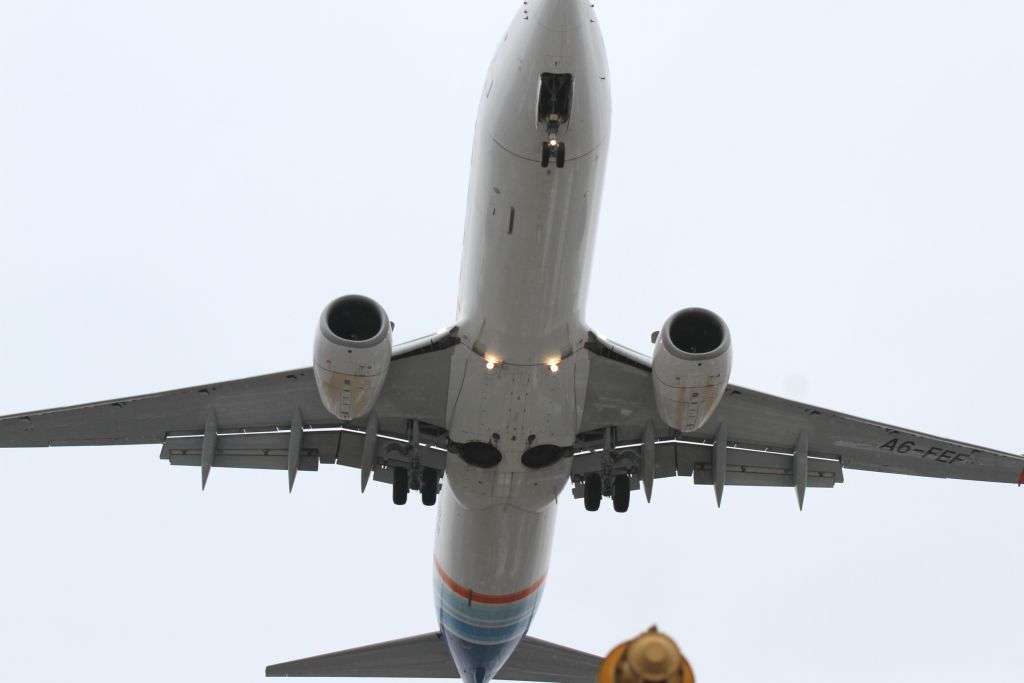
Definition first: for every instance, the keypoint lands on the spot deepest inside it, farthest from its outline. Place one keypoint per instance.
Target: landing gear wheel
(428, 487)
(592, 492)
(620, 493)
(400, 486)
(560, 156)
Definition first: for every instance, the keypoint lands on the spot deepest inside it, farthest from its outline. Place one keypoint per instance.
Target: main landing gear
(620, 493)
(594, 490)
(400, 486)
(427, 482)
(428, 487)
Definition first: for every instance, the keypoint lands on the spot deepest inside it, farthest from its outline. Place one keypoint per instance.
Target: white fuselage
(518, 378)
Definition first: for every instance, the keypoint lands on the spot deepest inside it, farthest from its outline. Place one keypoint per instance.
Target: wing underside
(274, 421)
(277, 421)
(755, 439)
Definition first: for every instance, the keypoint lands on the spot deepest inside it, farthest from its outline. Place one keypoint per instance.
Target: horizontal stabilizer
(538, 660)
(427, 656)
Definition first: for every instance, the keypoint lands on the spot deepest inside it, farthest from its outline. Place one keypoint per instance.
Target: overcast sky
(185, 185)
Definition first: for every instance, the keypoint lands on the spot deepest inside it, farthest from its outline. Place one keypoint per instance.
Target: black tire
(560, 157)
(400, 486)
(428, 487)
(620, 493)
(545, 155)
(592, 492)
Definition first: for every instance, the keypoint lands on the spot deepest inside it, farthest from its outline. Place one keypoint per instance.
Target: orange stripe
(473, 596)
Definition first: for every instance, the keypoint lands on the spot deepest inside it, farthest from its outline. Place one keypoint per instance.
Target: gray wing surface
(427, 656)
(423, 656)
(274, 421)
(252, 404)
(763, 433)
(757, 421)
(415, 388)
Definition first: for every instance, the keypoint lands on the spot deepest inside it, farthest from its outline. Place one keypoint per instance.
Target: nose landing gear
(554, 108)
(555, 149)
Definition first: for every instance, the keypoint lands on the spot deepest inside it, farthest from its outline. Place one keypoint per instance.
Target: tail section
(538, 660)
(427, 656)
(423, 656)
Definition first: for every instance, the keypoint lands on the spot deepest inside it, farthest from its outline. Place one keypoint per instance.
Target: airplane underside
(493, 418)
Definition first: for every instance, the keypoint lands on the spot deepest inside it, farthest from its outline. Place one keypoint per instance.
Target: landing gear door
(554, 102)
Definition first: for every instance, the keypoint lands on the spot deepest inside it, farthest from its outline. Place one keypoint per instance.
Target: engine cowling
(351, 355)
(691, 366)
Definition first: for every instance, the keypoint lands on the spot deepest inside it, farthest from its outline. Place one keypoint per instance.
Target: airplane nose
(559, 15)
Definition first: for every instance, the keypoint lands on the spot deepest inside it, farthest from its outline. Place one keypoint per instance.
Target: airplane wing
(756, 439)
(274, 421)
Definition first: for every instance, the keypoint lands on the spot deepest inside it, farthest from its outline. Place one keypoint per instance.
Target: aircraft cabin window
(555, 101)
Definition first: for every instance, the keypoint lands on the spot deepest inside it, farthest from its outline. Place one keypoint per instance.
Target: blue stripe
(483, 623)
(484, 635)
(483, 613)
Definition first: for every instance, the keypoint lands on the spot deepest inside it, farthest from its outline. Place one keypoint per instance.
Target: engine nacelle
(351, 355)
(692, 361)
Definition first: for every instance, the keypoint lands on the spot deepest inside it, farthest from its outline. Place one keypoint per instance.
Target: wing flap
(257, 451)
(689, 459)
(760, 469)
(270, 451)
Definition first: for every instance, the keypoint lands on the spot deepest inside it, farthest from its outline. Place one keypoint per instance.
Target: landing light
(553, 367)
(491, 362)
(553, 143)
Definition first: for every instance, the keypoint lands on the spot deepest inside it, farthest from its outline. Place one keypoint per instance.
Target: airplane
(494, 416)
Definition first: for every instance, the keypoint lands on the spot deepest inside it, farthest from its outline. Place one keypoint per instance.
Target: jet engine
(691, 367)
(351, 355)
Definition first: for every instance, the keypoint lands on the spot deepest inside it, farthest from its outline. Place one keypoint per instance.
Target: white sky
(183, 187)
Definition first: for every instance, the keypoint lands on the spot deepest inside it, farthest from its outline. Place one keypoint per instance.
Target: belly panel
(527, 254)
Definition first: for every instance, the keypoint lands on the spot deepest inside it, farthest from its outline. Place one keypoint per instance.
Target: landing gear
(428, 487)
(400, 486)
(556, 150)
(620, 493)
(592, 491)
